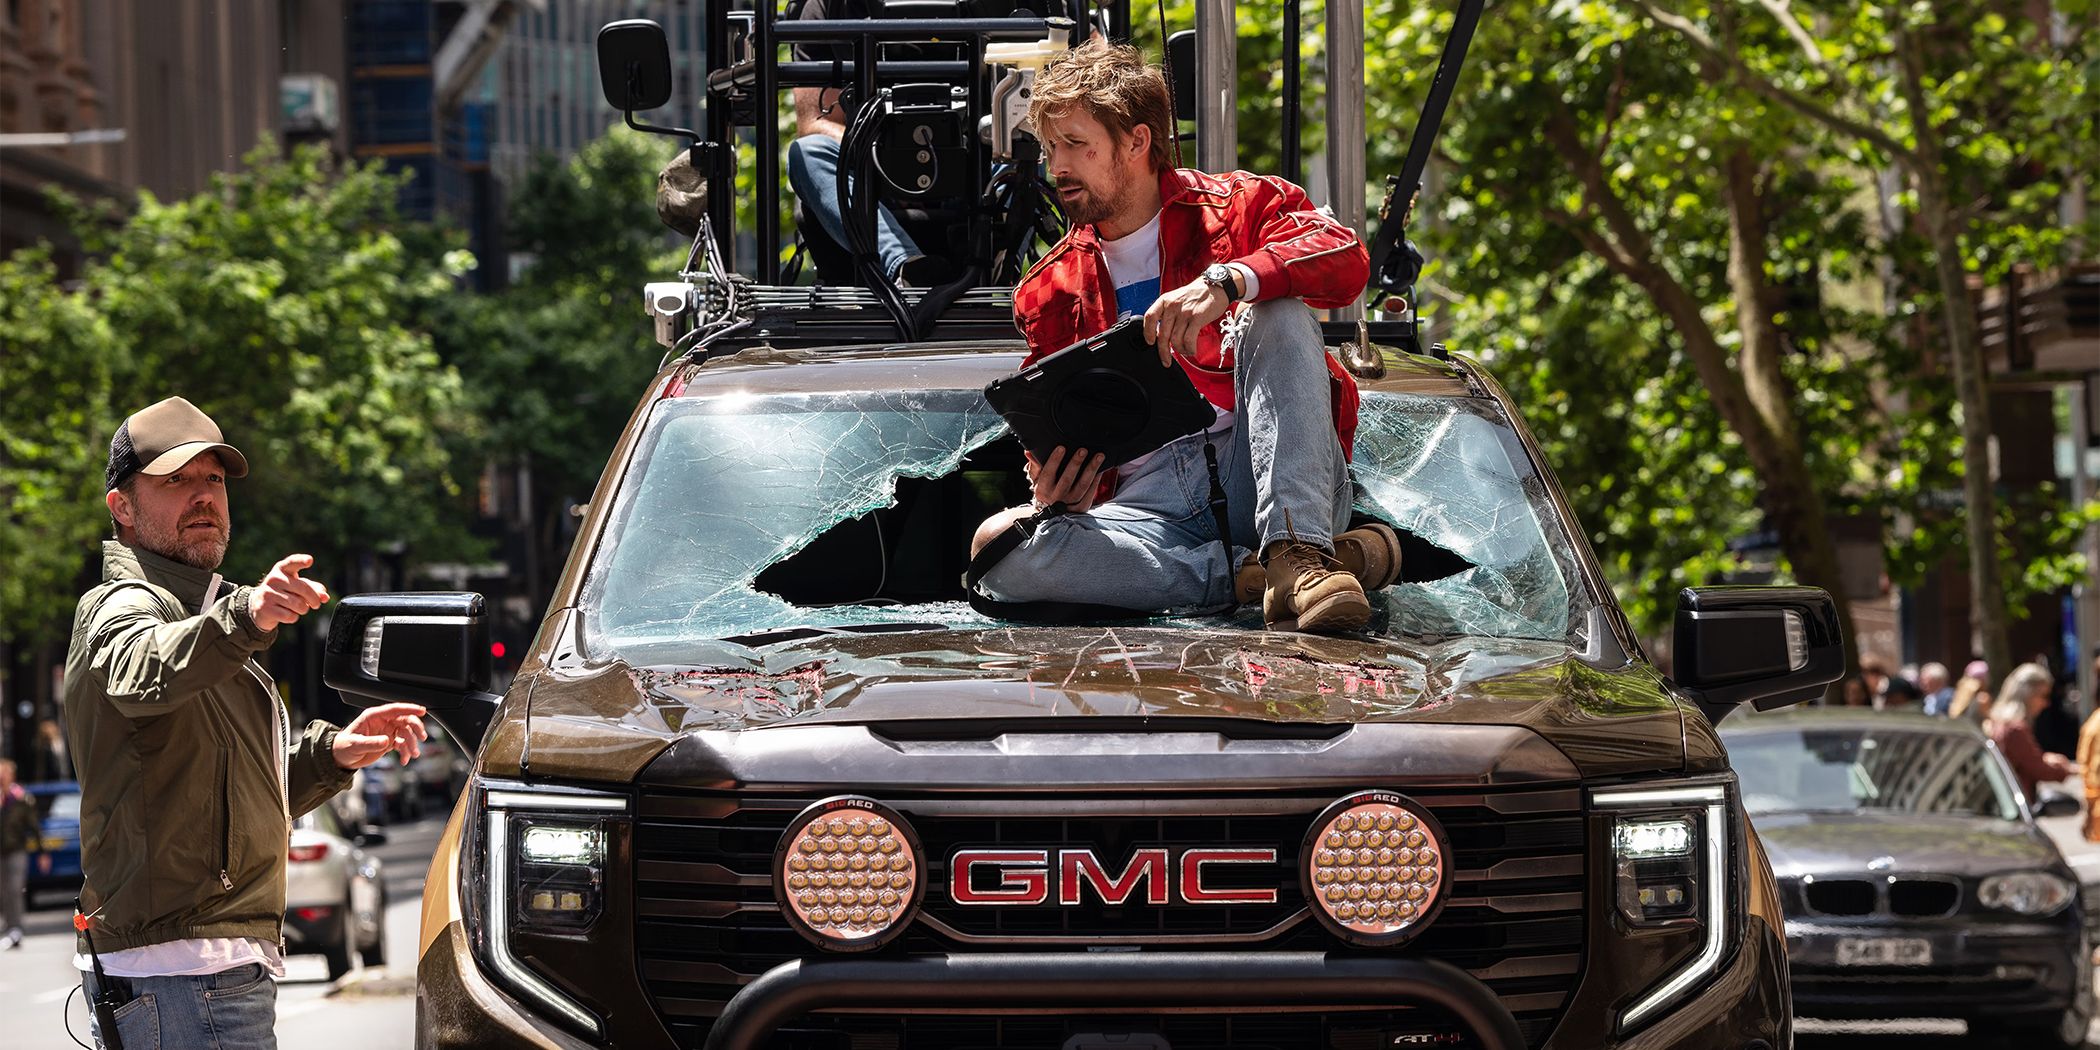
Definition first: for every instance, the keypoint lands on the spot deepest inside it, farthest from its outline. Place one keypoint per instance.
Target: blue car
(58, 806)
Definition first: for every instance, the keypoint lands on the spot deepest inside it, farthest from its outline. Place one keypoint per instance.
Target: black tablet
(1107, 394)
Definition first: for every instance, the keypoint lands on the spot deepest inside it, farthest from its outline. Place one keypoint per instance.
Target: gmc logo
(1029, 876)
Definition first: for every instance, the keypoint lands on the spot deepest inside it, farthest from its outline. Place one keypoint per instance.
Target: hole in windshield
(757, 518)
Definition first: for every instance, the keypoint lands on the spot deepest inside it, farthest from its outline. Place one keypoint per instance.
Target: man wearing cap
(190, 772)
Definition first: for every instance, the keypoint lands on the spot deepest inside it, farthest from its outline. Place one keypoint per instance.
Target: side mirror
(372, 835)
(1181, 54)
(2054, 803)
(429, 648)
(1771, 646)
(634, 65)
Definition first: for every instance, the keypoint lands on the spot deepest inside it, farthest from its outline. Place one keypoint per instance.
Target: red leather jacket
(1258, 221)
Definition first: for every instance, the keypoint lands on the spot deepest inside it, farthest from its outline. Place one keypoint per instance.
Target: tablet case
(1106, 394)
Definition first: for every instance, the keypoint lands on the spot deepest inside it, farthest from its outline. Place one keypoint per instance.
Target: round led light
(1374, 866)
(847, 874)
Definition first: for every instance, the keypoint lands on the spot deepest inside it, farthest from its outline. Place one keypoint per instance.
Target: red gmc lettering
(1082, 867)
(1192, 863)
(1028, 883)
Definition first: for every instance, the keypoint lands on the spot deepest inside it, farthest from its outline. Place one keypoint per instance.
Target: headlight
(1374, 867)
(847, 873)
(541, 870)
(1674, 865)
(2026, 893)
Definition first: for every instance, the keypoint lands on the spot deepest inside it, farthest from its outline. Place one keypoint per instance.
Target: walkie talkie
(106, 999)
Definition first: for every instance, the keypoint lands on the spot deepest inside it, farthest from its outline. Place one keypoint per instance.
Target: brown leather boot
(1310, 591)
(1371, 554)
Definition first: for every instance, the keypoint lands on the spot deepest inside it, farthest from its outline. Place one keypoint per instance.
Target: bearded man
(190, 774)
(1225, 270)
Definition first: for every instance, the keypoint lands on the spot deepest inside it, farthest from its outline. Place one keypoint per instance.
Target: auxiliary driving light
(1375, 868)
(847, 873)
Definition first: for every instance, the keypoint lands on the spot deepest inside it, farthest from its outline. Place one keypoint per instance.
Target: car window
(322, 819)
(65, 807)
(1820, 770)
(717, 527)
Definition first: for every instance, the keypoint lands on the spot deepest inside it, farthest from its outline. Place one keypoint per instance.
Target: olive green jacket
(189, 774)
(20, 831)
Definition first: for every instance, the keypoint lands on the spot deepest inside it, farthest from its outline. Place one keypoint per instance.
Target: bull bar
(1134, 982)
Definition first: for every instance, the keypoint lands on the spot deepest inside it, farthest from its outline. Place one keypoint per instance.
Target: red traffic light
(496, 650)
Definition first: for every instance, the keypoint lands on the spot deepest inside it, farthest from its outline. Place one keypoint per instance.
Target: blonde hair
(2025, 680)
(1116, 86)
(1970, 699)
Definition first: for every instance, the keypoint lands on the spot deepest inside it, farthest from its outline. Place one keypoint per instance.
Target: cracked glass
(723, 488)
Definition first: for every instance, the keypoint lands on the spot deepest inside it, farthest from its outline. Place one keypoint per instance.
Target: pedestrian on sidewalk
(190, 771)
(2025, 694)
(1939, 695)
(2089, 771)
(1972, 701)
(20, 834)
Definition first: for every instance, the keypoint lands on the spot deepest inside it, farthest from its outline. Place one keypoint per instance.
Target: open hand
(283, 596)
(1176, 319)
(1071, 480)
(378, 730)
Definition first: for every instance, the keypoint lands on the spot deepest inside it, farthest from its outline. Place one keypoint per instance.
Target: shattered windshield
(748, 514)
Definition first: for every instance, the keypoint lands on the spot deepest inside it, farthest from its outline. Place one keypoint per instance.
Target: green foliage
(553, 364)
(279, 301)
(55, 424)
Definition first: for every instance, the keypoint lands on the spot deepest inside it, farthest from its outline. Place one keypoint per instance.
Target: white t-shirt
(197, 955)
(1133, 266)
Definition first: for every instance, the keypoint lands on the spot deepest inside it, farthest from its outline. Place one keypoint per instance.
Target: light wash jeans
(233, 1010)
(813, 169)
(1156, 545)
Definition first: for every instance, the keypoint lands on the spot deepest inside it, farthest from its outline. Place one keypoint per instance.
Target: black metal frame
(1123, 983)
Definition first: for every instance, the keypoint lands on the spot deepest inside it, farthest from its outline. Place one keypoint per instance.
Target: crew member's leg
(14, 877)
(1154, 547)
(813, 169)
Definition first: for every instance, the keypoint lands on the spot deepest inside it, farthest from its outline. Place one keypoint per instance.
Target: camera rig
(938, 94)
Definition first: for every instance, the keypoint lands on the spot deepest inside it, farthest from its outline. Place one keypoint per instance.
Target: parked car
(335, 897)
(1914, 880)
(392, 794)
(58, 809)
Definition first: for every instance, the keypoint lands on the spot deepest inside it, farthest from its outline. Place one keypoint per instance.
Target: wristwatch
(1224, 279)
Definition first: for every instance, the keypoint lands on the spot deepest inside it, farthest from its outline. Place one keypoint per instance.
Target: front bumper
(1977, 972)
(1744, 1006)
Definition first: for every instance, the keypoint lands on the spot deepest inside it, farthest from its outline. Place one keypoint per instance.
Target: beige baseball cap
(161, 437)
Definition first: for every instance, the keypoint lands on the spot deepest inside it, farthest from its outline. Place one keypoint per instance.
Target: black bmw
(1914, 880)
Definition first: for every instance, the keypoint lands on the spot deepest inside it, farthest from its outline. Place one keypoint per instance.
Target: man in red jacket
(1225, 270)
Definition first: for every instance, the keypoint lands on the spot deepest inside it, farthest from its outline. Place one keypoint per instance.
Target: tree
(279, 301)
(555, 363)
(1951, 96)
(55, 424)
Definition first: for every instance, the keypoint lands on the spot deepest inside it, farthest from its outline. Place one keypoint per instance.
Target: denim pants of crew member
(1156, 545)
(813, 169)
(233, 1010)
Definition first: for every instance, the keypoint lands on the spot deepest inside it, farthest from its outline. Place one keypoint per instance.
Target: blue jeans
(813, 169)
(233, 1010)
(1156, 545)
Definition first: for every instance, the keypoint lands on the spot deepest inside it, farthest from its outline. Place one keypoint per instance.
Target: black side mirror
(2054, 803)
(634, 65)
(372, 835)
(1181, 54)
(1771, 646)
(429, 648)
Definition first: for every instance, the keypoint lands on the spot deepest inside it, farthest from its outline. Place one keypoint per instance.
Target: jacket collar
(187, 584)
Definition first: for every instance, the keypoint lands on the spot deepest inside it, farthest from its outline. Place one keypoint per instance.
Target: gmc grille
(707, 922)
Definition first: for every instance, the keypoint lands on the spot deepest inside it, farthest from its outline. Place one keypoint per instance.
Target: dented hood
(607, 721)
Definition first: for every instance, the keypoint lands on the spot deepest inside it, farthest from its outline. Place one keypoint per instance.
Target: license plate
(52, 845)
(1884, 951)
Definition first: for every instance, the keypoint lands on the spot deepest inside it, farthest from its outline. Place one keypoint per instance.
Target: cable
(65, 1014)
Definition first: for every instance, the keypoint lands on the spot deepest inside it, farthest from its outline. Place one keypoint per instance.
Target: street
(374, 1010)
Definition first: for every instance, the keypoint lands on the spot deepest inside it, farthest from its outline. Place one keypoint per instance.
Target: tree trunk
(1942, 227)
(1791, 500)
